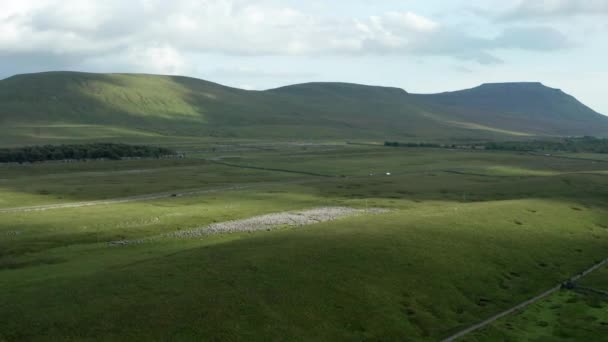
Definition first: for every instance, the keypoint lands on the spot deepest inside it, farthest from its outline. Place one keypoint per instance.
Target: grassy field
(468, 234)
(58, 183)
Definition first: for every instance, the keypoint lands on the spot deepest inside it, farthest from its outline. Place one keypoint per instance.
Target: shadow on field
(441, 186)
(349, 173)
(390, 277)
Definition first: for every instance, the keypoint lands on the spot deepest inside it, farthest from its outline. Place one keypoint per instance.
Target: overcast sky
(418, 45)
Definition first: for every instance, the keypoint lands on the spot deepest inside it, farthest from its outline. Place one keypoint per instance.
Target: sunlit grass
(455, 247)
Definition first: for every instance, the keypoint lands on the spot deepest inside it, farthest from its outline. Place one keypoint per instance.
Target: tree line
(409, 144)
(32, 154)
(582, 144)
(576, 144)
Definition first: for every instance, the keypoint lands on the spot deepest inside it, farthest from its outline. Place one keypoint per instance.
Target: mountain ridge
(165, 105)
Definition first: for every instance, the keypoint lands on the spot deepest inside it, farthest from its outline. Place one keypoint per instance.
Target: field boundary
(566, 157)
(591, 290)
(522, 305)
(270, 169)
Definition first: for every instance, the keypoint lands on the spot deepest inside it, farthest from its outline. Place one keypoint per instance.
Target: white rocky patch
(265, 222)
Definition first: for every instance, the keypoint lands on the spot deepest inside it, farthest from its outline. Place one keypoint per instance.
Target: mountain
(526, 107)
(68, 106)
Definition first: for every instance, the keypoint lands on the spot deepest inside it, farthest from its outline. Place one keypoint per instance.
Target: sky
(422, 46)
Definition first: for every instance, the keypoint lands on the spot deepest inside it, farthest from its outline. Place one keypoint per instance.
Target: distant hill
(68, 106)
(527, 107)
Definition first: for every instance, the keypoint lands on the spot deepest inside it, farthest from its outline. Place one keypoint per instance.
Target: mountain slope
(528, 106)
(64, 106)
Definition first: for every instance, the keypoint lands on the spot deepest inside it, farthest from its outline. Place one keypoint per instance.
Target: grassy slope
(66, 106)
(439, 261)
(515, 106)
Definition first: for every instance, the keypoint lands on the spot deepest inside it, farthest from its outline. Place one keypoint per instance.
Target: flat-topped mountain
(522, 106)
(66, 106)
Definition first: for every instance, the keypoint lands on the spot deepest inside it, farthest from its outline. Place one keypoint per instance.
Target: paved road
(147, 197)
(521, 306)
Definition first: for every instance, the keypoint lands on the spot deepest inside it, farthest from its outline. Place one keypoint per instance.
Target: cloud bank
(161, 36)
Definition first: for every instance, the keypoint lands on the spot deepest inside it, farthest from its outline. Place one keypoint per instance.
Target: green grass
(468, 235)
(565, 316)
(599, 279)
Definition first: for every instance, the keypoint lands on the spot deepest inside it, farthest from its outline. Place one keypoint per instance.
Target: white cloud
(410, 21)
(159, 59)
(246, 87)
(528, 9)
(157, 35)
(251, 72)
(153, 59)
(532, 38)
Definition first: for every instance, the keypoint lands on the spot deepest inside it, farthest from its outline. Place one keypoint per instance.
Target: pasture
(466, 234)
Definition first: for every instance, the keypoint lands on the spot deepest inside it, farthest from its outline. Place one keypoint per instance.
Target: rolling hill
(68, 106)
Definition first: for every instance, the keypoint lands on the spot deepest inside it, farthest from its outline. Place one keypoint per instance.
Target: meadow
(467, 234)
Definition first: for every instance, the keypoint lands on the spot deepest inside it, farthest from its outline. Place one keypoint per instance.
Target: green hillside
(67, 106)
(528, 106)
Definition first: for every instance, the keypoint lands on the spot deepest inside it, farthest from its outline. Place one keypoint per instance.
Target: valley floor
(465, 235)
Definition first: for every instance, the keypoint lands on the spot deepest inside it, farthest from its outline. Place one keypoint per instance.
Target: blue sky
(421, 46)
